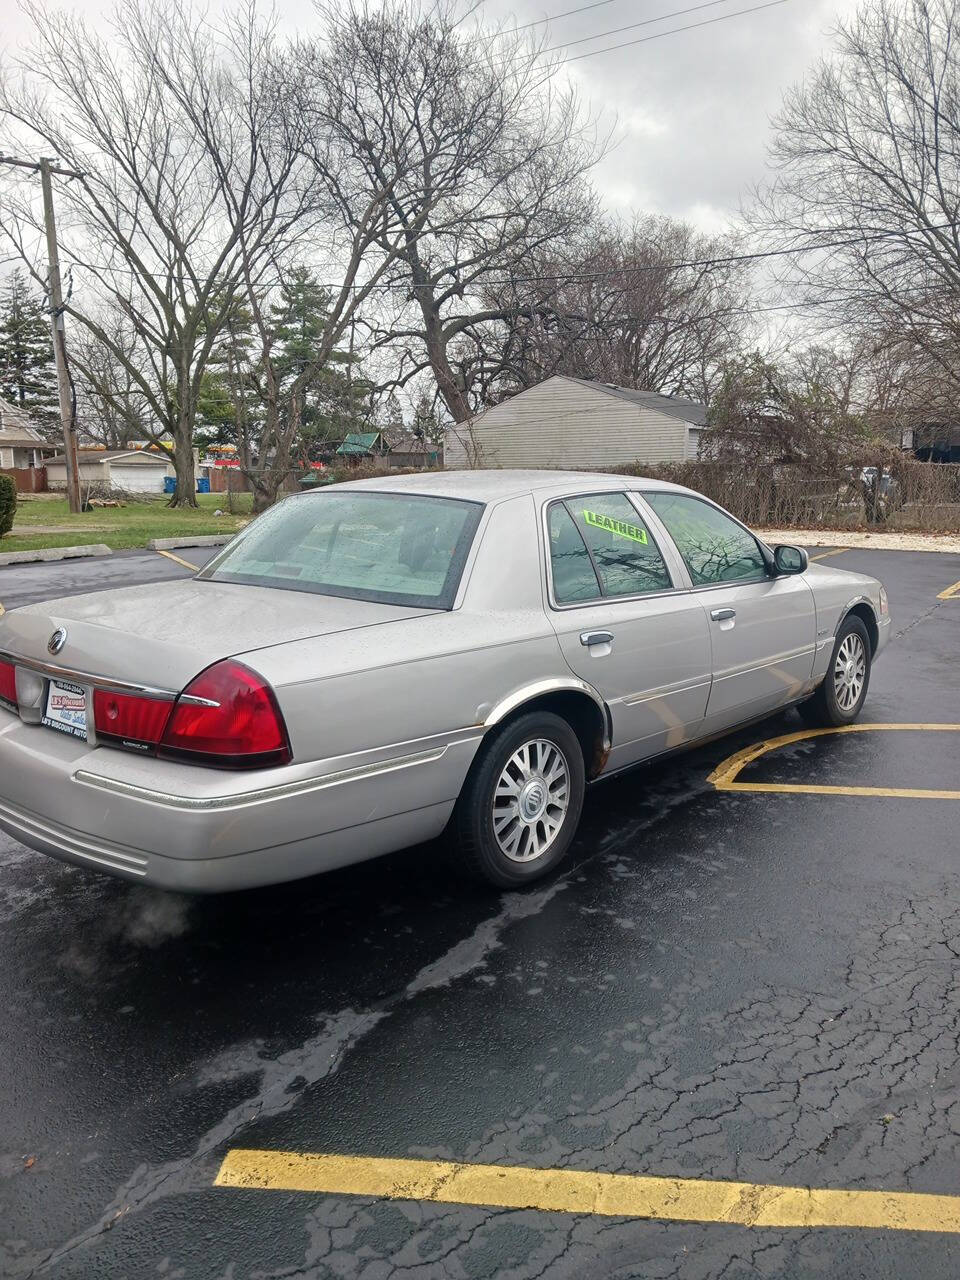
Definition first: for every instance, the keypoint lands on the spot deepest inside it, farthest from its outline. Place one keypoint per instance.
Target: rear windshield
(393, 548)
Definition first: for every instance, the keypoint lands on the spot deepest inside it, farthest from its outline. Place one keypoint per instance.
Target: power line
(553, 17)
(647, 22)
(580, 277)
(692, 26)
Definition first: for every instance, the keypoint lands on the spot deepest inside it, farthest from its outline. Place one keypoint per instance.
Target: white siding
(561, 423)
(90, 473)
(6, 457)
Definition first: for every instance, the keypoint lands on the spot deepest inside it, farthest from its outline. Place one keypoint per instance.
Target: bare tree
(483, 158)
(633, 309)
(867, 152)
(191, 182)
(113, 410)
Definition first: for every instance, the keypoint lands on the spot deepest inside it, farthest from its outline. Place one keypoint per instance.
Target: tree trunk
(185, 494)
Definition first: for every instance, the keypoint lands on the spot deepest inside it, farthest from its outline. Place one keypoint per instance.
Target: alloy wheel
(849, 671)
(530, 800)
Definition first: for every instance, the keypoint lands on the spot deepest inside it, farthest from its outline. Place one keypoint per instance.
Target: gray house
(578, 424)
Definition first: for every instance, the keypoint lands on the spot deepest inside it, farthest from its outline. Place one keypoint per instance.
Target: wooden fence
(28, 479)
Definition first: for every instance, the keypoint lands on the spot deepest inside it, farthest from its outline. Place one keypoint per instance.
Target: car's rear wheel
(521, 803)
(840, 698)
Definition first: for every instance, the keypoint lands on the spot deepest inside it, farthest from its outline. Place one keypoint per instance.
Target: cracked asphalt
(722, 986)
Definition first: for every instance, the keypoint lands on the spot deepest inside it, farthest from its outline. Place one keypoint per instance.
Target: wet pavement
(759, 987)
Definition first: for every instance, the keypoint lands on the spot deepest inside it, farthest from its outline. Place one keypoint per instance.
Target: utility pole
(46, 168)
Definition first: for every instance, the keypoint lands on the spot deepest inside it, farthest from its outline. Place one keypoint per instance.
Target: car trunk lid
(163, 634)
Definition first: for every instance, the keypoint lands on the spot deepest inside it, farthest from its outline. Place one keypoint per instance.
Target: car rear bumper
(201, 830)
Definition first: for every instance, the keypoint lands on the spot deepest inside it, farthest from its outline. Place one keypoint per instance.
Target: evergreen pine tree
(27, 372)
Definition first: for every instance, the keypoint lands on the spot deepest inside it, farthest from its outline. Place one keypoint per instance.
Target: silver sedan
(381, 662)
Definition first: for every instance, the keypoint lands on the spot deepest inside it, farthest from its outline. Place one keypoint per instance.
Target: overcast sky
(693, 108)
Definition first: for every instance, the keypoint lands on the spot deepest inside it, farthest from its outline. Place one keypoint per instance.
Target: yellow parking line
(951, 593)
(574, 1191)
(186, 563)
(824, 554)
(2, 609)
(725, 775)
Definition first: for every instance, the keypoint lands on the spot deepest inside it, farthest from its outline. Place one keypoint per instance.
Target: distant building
(413, 451)
(363, 444)
(577, 424)
(21, 444)
(934, 443)
(134, 470)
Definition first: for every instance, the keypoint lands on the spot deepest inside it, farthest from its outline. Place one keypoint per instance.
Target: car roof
(497, 485)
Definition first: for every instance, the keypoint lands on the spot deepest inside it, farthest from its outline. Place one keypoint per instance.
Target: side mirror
(790, 559)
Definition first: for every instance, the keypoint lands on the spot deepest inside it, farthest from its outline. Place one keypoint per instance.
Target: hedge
(8, 503)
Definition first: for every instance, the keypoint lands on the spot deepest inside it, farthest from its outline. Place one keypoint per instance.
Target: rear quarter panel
(439, 674)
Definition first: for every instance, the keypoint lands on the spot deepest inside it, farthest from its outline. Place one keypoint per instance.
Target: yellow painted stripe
(574, 1191)
(177, 560)
(825, 554)
(951, 593)
(2, 609)
(724, 777)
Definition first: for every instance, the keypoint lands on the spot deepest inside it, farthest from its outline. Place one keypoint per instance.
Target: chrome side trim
(25, 826)
(804, 651)
(651, 695)
(208, 804)
(512, 701)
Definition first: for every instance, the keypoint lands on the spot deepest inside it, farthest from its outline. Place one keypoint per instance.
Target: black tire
(472, 841)
(825, 707)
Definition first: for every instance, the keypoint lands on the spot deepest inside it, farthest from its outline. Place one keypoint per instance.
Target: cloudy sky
(693, 107)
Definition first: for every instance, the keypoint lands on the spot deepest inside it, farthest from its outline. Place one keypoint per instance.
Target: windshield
(392, 548)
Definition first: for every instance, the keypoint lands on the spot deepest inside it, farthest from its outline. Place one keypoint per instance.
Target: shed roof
(137, 457)
(359, 442)
(690, 411)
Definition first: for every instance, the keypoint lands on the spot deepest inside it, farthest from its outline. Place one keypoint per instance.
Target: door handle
(596, 637)
(722, 615)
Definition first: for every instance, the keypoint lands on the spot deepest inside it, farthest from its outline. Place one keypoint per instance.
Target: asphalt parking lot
(732, 981)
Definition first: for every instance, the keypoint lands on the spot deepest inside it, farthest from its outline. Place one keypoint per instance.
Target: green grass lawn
(46, 522)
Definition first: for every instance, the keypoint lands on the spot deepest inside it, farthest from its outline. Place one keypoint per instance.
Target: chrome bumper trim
(87, 677)
(23, 824)
(264, 794)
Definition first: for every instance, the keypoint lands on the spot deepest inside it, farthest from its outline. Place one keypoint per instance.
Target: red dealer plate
(66, 708)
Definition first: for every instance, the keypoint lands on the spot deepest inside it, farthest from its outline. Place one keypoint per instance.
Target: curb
(857, 540)
(55, 553)
(200, 540)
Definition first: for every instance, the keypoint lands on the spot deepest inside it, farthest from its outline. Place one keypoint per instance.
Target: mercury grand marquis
(381, 662)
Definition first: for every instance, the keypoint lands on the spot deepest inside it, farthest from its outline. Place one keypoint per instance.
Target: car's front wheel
(521, 803)
(840, 698)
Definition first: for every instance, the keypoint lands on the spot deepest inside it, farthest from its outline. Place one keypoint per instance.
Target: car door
(623, 625)
(763, 628)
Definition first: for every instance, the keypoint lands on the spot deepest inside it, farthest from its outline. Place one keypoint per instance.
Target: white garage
(132, 470)
(137, 478)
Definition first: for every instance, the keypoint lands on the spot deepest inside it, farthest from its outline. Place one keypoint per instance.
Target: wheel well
(866, 615)
(583, 716)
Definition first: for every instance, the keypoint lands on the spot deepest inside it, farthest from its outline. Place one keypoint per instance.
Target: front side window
(714, 547)
(600, 546)
(393, 548)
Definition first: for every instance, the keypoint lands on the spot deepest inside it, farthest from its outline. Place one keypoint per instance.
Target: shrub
(8, 503)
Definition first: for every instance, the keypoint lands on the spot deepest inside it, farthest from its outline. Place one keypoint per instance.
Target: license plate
(66, 708)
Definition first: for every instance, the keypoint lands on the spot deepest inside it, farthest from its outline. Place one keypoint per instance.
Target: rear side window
(573, 575)
(600, 546)
(714, 547)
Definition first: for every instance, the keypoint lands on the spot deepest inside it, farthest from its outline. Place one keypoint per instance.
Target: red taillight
(242, 727)
(134, 721)
(8, 683)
